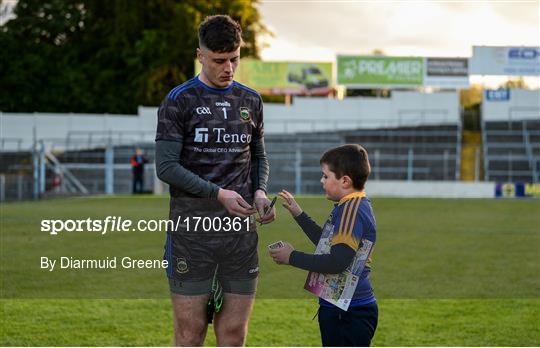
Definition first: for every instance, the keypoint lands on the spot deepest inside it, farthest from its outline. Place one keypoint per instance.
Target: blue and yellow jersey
(354, 221)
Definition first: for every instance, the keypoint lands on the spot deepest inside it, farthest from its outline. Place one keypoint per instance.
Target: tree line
(102, 56)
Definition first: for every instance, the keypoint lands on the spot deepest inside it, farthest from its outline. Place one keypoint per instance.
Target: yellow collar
(352, 195)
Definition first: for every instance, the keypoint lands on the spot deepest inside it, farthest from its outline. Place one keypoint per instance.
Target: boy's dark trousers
(353, 328)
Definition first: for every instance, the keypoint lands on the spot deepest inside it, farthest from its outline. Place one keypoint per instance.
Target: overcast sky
(318, 30)
(309, 30)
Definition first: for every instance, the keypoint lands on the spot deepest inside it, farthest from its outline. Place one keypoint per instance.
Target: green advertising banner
(283, 77)
(375, 71)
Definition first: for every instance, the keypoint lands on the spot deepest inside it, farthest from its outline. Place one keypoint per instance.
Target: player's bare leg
(190, 322)
(231, 324)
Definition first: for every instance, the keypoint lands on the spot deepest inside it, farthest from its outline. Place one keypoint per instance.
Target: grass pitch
(445, 272)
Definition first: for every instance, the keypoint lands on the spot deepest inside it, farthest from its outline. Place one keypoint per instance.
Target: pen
(269, 208)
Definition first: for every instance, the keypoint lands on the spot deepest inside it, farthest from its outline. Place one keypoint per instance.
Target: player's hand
(234, 203)
(290, 203)
(261, 204)
(281, 256)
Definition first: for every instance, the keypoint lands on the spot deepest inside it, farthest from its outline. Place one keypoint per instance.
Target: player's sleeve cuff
(214, 190)
(262, 189)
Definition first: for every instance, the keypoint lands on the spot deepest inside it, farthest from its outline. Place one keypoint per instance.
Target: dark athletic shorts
(193, 260)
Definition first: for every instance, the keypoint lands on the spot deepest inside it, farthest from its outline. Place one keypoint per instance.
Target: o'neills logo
(245, 115)
(224, 103)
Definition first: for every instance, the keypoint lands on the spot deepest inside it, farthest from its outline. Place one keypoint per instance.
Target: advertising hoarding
(502, 94)
(284, 77)
(395, 72)
(517, 190)
(446, 72)
(380, 71)
(511, 61)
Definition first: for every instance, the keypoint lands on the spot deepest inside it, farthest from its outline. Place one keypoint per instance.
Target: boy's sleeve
(336, 262)
(310, 227)
(349, 226)
(345, 243)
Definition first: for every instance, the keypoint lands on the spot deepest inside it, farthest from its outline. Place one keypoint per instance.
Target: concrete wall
(401, 110)
(305, 115)
(80, 130)
(323, 114)
(521, 105)
(430, 189)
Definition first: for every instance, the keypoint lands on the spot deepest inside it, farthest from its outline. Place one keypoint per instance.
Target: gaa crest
(181, 265)
(245, 115)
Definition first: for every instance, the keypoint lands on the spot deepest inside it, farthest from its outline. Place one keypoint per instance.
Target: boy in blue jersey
(345, 172)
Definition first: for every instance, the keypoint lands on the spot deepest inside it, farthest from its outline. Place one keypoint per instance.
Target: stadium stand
(89, 166)
(410, 136)
(407, 153)
(512, 150)
(294, 160)
(511, 136)
(412, 153)
(16, 175)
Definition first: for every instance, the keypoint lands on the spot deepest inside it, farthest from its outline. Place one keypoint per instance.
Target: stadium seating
(512, 150)
(15, 175)
(407, 153)
(294, 160)
(511, 136)
(89, 166)
(410, 136)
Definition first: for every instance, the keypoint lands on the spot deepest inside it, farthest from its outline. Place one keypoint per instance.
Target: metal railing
(73, 184)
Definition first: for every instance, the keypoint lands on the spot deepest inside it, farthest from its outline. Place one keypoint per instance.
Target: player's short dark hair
(220, 34)
(351, 160)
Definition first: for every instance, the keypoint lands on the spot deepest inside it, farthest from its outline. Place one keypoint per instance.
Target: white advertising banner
(511, 105)
(446, 72)
(511, 61)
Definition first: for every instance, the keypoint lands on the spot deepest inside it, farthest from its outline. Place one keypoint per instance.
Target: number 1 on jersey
(224, 112)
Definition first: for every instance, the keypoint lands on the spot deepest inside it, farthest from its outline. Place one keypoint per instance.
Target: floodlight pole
(298, 170)
(109, 167)
(35, 165)
(410, 165)
(42, 172)
(2, 188)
